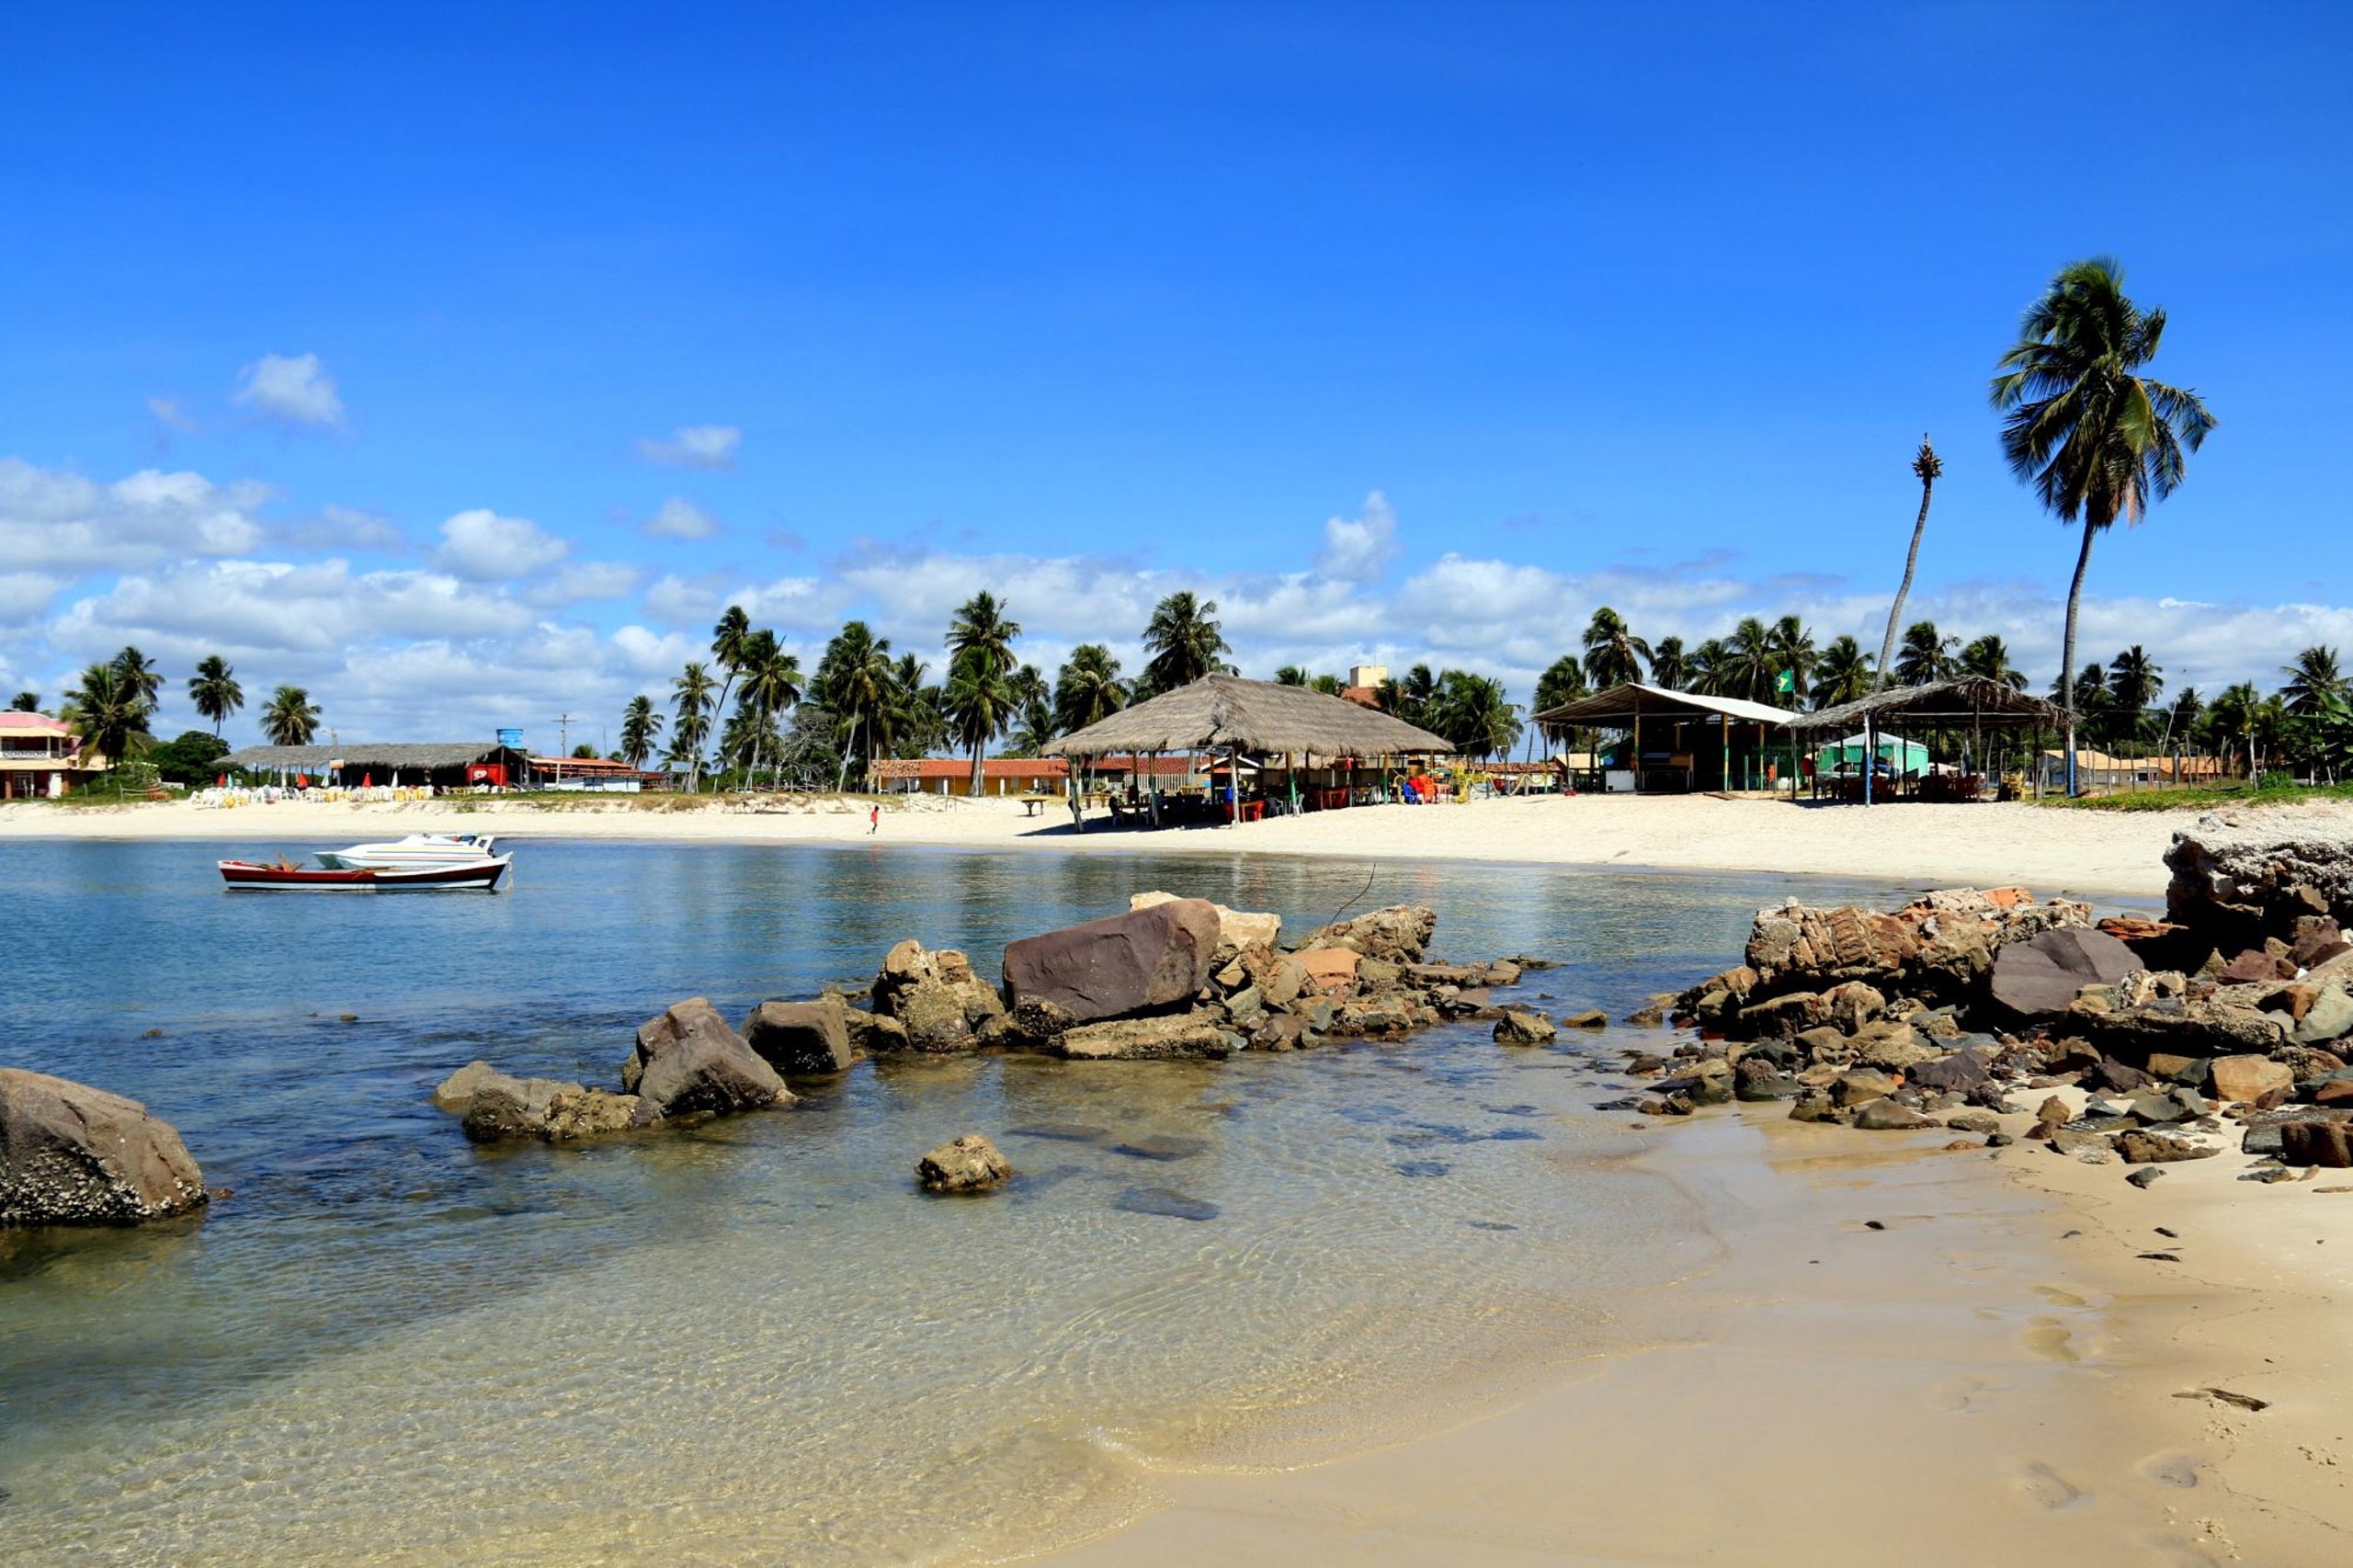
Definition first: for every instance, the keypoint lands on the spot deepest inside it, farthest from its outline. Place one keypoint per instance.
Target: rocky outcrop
(1187, 1036)
(688, 1062)
(802, 1038)
(1519, 1026)
(71, 1155)
(2253, 873)
(970, 1164)
(2043, 974)
(934, 997)
(495, 1107)
(1148, 960)
(1400, 934)
(1238, 930)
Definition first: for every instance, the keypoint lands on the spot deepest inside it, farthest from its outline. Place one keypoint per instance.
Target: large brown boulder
(802, 1038)
(1238, 930)
(934, 997)
(1400, 934)
(689, 1061)
(2042, 974)
(1144, 961)
(71, 1155)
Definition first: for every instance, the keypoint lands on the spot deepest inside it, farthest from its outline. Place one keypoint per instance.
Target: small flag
(1786, 682)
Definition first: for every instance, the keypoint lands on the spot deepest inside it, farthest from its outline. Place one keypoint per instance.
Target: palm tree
(1330, 685)
(1290, 675)
(771, 684)
(1792, 646)
(1928, 468)
(140, 679)
(1183, 643)
(1842, 674)
(727, 639)
(1088, 688)
(1748, 668)
(214, 691)
(979, 698)
(690, 710)
(1711, 666)
(2311, 679)
(641, 729)
(2133, 681)
(25, 702)
(1988, 658)
(1411, 699)
(856, 683)
(106, 711)
(1925, 656)
(1471, 711)
(292, 719)
(1669, 667)
(2095, 439)
(1613, 654)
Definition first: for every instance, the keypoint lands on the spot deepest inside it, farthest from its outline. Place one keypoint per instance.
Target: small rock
(2144, 1176)
(1888, 1116)
(970, 1164)
(1591, 1018)
(1519, 1026)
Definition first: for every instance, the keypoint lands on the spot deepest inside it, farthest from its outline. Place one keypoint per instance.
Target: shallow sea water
(756, 1340)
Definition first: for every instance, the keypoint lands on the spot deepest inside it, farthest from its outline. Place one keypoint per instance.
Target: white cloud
(168, 411)
(486, 548)
(694, 446)
(26, 595)
(1355, 551)
(51, 518)
(582, 582)
(290, 387)
(681, 519)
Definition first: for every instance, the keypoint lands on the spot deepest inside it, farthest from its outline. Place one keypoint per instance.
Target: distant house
(595, 775)
(2098, 771)
(447, 765)
(41, 757)
(953, 776)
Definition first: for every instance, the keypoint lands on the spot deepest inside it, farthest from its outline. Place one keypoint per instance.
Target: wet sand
(1990, 1376)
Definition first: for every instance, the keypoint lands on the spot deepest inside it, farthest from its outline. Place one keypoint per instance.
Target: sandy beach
(2054, 851)
(1907, 1354)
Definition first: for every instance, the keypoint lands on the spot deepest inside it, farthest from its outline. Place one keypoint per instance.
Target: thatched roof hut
(1967, 702)
(1227, 713)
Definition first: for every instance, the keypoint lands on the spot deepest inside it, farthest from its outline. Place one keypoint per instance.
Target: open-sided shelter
(1969, 705)
(1677, 740)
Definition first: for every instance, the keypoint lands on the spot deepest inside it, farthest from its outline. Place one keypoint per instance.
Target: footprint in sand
(1961, 1394)
(2173, 1469)
(2048, 1487)
(2058, 1298)
(2048, 1339)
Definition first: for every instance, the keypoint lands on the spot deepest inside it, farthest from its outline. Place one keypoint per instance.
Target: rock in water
(1163, 1202)
(1519, 1026)
(2042, 976)
(936, 998)
(1238, 930)
(1400, 934)
(802, 1037)
(970, 1164)
(687, 1060)
(456, 1092)
(71, 1155)
(1191, 1036)
(1148, 958)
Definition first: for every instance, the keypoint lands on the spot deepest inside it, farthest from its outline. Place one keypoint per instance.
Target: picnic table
(1033, 802)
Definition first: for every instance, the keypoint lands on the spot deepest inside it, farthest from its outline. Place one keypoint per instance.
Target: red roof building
(40, 756)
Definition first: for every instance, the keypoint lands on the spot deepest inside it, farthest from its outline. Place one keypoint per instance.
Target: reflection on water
(757, 1337)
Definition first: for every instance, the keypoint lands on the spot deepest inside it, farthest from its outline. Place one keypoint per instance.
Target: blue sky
(361, 348)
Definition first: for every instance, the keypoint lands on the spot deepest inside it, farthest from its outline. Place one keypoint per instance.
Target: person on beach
(873, 819)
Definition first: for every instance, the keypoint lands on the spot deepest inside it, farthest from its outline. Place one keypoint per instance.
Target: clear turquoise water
(754, 1340)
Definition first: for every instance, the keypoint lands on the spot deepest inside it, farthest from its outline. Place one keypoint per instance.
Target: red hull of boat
(246, 876)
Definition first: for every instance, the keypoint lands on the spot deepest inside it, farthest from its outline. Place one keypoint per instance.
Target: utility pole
(564, 723)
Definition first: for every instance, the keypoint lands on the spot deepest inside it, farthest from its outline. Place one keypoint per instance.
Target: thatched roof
(1617, 708)
(1217, 712)
(1970, 700)
(367, 753)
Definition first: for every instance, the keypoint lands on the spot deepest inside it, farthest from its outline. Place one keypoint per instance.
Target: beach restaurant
(1968, 708)
(1674, 742)
(1292, 748)
(454, 764)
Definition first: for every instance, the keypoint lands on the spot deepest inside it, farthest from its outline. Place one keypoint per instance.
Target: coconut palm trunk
(1927, 465)
(2067, 645)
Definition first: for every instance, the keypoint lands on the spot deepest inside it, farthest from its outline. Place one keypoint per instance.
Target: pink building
(39, 756)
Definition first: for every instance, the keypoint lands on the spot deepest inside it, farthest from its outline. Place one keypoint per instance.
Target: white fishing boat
(417, 852)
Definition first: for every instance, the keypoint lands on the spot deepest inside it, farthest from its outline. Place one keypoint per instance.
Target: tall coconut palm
(214, 691)
(856, 684)
(1183, 643)
(140, 678)
(1842, 673)
(771, 684)
(979, 699)
(916, 723)
(1613, 654)
(1563, 681)
(292, 719)
(1988, 658)
(1710, 668)
(2311, 679)
(1669, 665)
(1290, 675)
(1471, 711)
(1749, 667)
(1410, 698)
(727, 639)
(2096, 439)
(25, 702)
(1088, 688)
(690, 711)
(108, 712)
(2133, 681)
(641, 730)
(1925, 655)
(1928, 468)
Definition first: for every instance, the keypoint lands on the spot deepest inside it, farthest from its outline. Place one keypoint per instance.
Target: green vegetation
(2274, 789)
